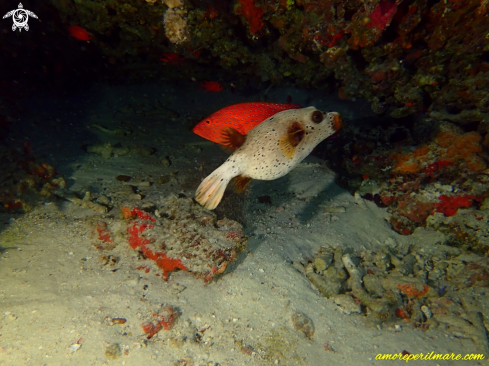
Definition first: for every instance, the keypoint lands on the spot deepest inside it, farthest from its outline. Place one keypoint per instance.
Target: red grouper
(242, 117)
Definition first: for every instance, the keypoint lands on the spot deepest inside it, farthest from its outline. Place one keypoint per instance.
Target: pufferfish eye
(317, 117)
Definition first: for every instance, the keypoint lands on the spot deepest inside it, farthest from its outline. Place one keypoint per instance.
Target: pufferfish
(269, 151)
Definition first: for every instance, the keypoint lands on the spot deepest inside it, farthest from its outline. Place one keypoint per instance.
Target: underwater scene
(244, 182)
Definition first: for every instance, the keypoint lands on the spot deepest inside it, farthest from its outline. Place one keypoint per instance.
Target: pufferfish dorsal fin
(231, 139)
(287, 143)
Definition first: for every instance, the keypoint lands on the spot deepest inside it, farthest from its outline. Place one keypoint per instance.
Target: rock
(323, 260)
(347, 304)
(373, 285)
(186, 236)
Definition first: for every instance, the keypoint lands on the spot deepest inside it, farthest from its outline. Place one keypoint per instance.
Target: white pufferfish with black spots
(269, 151)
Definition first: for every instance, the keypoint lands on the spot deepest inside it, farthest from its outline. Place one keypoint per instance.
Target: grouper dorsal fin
(289, 141)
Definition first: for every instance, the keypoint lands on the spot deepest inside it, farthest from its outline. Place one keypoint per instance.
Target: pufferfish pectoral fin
(240, 182)
(230, 138)
(286, 146)
(287, 143)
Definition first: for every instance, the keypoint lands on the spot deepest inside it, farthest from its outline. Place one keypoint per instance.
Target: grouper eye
(317, 117)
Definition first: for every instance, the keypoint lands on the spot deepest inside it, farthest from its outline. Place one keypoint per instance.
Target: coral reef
(402, 56)
(252, 13)
(173, 3)
(175, 21)
(431, 168)
(423, 287)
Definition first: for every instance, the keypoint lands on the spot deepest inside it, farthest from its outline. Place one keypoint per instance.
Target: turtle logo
(20, 17)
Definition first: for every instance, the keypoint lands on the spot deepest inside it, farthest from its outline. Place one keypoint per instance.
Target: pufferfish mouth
(337, 123)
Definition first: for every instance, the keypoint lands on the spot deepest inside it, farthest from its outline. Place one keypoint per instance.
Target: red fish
(242, 117)
(211, 86)
(79, 33)
(172, 58)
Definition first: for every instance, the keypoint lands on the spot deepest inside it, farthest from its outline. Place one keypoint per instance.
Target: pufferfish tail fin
(210, 191)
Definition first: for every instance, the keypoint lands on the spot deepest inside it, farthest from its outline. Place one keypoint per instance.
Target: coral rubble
(25, 179)
(164, 319)
(423, 287)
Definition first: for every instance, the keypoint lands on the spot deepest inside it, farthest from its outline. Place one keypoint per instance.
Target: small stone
(163, 179)
(347, 304)
(123, 178)
(113, 351)
(303, 323)
(426, 311)
(74, 347)
(485, 204)
(103, 200)
(335, 209)
(166, 161)
(323, 260)
(148, 207)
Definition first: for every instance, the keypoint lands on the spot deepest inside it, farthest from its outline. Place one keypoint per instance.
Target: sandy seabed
(62, 298)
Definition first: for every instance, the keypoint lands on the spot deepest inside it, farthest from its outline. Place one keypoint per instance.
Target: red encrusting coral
(330, 38)
(215, 271)
(127, 213)
(103, 233)
(433, 168)
(168, 264)
(150, 329)
(135, 241)
(164, 262)
(402, 313)
(382, 15)
(250, 11)
(165, 321)
(168, 320)
(449, 205)
(145, 268)
(411, 290)
(13, 205)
